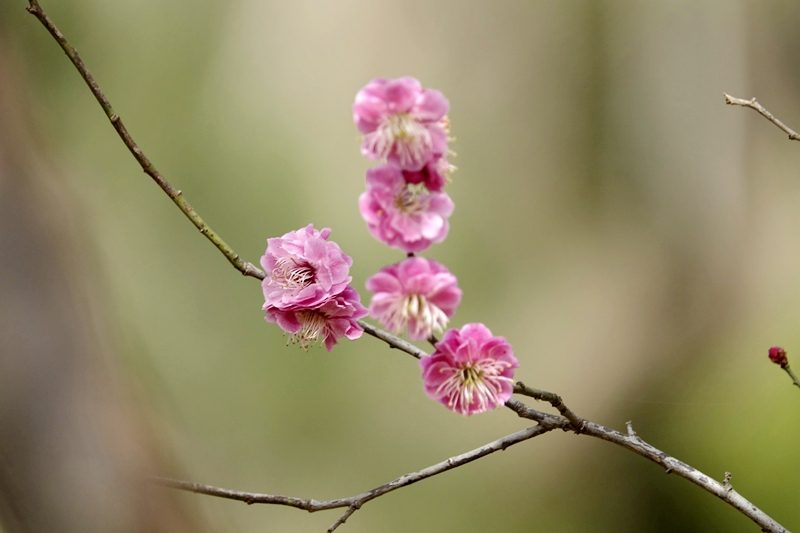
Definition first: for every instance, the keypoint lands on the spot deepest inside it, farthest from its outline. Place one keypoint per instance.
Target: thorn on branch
(631, 432)
(726, 483)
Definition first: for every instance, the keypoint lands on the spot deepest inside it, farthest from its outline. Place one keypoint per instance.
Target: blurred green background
(636, 240)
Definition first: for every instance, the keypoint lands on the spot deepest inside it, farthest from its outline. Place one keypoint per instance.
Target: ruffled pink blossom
(334, 319)
(471, 371)
(303, 269)
(401, 122)
(403, 215)
(434, 175)
(418, 293)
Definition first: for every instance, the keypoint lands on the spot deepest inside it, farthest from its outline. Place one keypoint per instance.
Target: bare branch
(391, 340)
(723, 490)
(247, 497)
(554, 400)
(359, 500)
(753, 104)
(242, 266)
(546, 422)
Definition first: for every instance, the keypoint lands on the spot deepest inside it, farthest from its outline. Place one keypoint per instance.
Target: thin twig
(753, 104)
(391, 340)
(635, 444)
(242, 266)
(342, 519)
(791, 374)
(247, 497)
(359, 500)
(554, 400)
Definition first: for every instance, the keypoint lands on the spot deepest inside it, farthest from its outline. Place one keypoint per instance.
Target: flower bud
(778, 356)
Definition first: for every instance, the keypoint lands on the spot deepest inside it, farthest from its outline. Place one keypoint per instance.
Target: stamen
(475, 382)
(313, 329)
(413, 199)
(416, 309)
(403, 133)
(289, 274)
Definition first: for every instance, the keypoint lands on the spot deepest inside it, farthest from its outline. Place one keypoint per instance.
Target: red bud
(778, 356)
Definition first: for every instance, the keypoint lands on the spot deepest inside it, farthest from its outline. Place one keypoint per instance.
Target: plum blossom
(334, 319)
(401, 122)
(417, 293)
(471, 371)
(403, 215)
(303, 269)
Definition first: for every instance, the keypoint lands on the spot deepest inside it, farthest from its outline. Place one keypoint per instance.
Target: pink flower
(334, 319)
(303, 269)
(434, 174)
(471, 371)
(403, 215)
(416, 292)
(401, 122)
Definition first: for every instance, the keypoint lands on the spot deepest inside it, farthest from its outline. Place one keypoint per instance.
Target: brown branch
(632, 442)
(753, 104)
(359, 500)
(175, 195)
(554, 400)
(391, 340)
(545, 423)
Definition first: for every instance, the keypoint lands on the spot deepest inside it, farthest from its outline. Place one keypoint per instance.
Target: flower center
(474, 382)
(403, 133)
(470, 375)
(412, 199)
(314, 328)
(415, 311)
(290, 275)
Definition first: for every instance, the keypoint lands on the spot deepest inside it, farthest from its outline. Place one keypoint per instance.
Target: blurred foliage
(635, 239)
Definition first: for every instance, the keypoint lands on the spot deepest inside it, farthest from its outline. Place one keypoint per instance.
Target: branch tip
(753, 104)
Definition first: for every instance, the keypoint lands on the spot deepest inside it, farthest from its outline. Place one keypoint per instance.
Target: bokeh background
(634, 238)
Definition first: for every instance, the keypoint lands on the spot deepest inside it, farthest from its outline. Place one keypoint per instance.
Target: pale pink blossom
(403, 215)
(417, 293)
(401, 122)
(471, 371)
(303, 269)
(334, 319)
